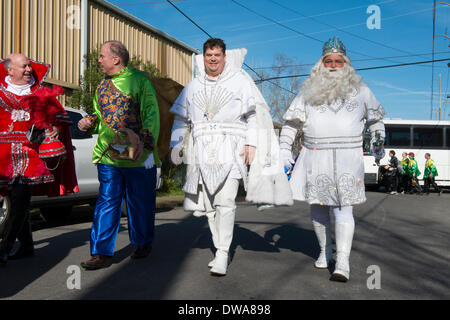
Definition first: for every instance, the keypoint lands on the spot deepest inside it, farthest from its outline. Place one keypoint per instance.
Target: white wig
(325, 87)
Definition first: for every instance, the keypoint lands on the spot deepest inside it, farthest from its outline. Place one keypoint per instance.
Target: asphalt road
(400, 251)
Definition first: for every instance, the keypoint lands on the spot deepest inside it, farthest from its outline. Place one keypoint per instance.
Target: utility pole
(439, 96)
(432, 65)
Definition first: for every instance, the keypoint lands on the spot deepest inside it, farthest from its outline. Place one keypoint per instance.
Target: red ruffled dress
(26, 162)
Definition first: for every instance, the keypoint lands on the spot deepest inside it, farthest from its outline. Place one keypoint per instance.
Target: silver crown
(333, 45)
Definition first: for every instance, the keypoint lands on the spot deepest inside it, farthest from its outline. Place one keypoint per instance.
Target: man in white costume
(332, 109)
(222, 125)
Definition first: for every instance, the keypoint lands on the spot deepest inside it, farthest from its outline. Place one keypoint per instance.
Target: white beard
(325, 87)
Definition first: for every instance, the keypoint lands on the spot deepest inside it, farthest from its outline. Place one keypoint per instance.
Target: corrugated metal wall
(171, 59)
(7, 24)
(47, 36)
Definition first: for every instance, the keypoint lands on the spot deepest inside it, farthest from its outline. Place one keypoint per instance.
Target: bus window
(428, 137)
(448, 137)
(397, 136)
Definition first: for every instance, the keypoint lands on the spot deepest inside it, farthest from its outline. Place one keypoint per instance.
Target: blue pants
(138, 187)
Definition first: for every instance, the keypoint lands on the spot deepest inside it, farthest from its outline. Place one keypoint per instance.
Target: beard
(327, 85)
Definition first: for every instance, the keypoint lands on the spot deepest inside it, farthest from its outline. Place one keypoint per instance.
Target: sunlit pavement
(400, 251)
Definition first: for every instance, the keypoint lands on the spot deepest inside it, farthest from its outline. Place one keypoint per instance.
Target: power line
(145, 2)
(334, 27)
(360, 69)
(204, 31)
(292, 29)
(316, 15)
(353, 60)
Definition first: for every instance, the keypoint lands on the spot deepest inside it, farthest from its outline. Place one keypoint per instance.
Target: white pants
(321, 214)
(220, 210)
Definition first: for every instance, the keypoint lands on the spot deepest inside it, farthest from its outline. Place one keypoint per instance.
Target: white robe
(330, 167)
(214, 120)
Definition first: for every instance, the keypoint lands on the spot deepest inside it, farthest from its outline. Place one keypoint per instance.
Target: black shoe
(4, 252)
(3, 258)
(97, 262)
(3, 255)
(141, 251)
(22, 252)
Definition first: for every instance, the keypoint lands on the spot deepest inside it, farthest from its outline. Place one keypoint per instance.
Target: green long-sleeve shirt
(430, 167)
(413, 168)
(126, 100)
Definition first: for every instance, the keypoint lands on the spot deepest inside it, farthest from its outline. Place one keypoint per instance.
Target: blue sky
(406, 30)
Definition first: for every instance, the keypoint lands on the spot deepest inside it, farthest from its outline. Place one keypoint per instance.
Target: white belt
(324, 143)
(219, 128)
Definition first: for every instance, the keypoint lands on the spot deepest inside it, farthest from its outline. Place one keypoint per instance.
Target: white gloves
(286, 158)
(176, 155)
(377, 151)
(150, 162)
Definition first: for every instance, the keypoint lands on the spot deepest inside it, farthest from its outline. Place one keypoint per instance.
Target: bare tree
(279, 93)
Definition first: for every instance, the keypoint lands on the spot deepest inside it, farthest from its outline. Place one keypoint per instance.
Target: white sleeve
(288, 134)
(297, 110)
(294, 118)
(249, 114)
(252, 130)
(181, 121)
(179, 129)
(374, 114)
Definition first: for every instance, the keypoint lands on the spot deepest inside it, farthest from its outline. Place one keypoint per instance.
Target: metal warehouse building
(61, 32)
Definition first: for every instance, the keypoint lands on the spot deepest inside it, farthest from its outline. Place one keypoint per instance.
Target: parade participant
(413, 175)
(217, 133)
(403, 173)
(126, 118)
(390, 170)
(429, 174)
(33, 132)
(332, 108)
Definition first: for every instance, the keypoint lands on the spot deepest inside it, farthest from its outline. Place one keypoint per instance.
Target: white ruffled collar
(19, 90)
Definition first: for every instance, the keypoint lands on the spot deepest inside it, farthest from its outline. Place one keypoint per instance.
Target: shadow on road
(49, 252)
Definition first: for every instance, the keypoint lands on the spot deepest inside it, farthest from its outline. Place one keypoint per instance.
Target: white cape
(267, 182)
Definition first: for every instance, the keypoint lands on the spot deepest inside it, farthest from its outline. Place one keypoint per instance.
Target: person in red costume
(36, 153)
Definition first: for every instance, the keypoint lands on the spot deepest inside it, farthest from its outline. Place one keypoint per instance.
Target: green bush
(173, 178)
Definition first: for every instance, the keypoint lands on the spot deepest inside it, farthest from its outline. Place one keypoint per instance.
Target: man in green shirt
(429, 174)
(403, 173)
(413, 175)
(125, 104)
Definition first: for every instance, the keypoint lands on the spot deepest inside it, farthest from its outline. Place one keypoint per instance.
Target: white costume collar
(19, 90)
(234, 62)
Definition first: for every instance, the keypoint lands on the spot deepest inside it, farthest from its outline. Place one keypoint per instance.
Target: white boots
(323, 233)
(220, 263)
(213, 229)
(344, 238)
(221, 224)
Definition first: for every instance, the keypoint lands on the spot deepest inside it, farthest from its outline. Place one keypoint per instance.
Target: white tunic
(330, 166)
(218, 115)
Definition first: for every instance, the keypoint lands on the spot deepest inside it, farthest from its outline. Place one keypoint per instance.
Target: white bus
(417, 136)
